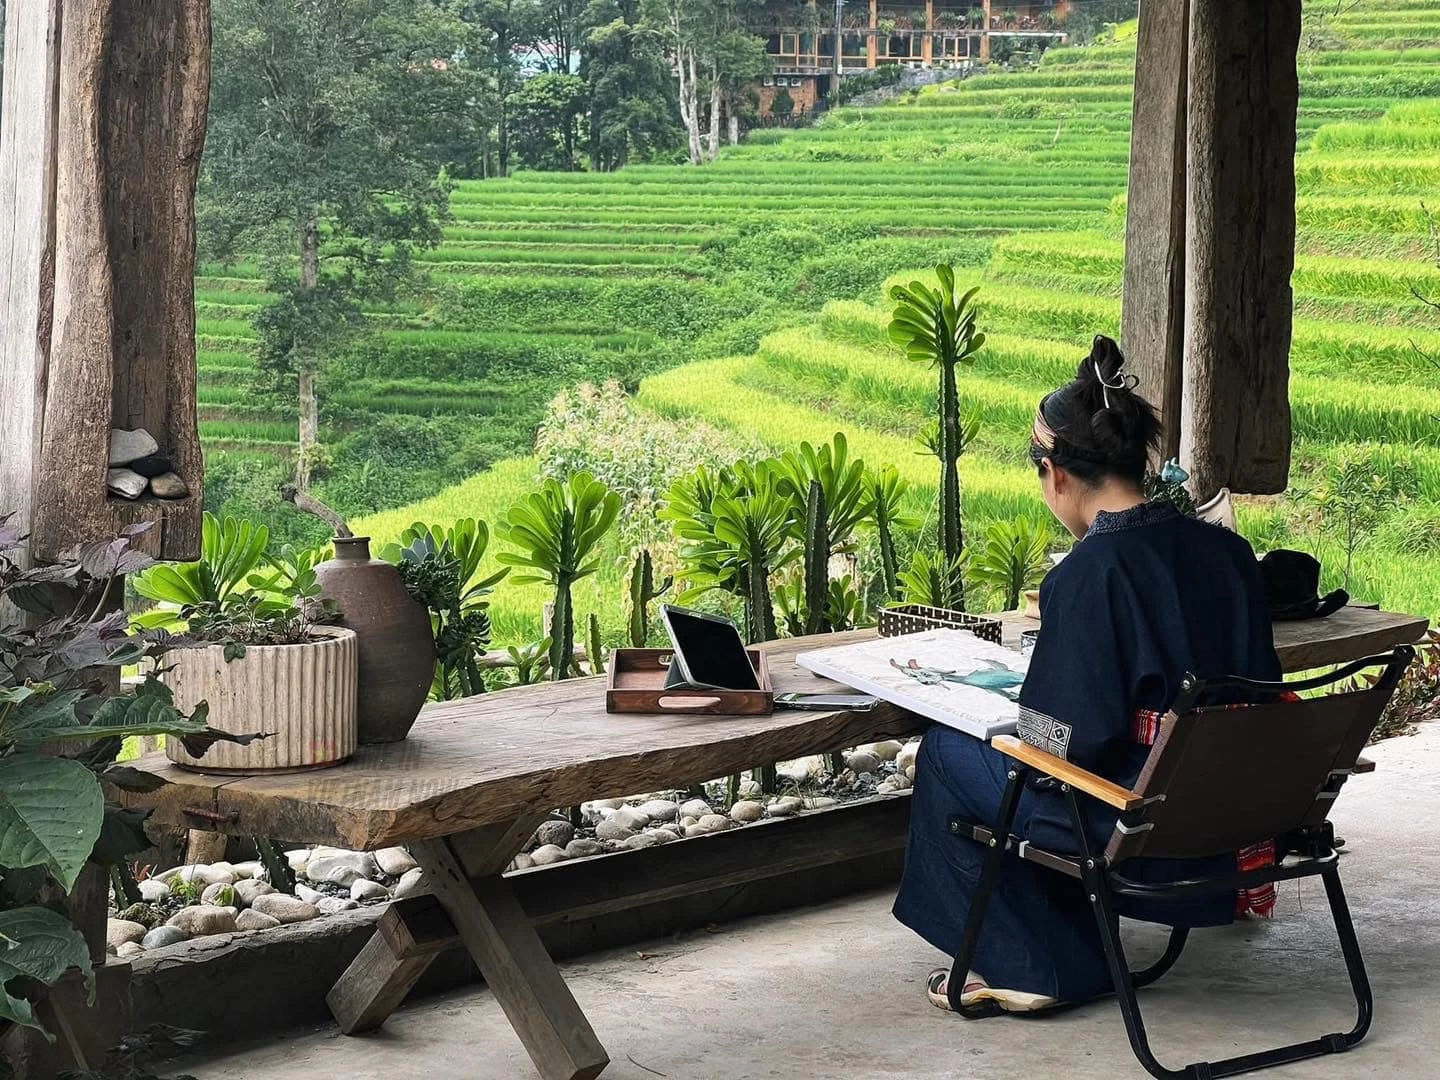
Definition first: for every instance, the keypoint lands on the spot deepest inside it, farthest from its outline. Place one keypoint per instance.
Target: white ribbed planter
(303, 696)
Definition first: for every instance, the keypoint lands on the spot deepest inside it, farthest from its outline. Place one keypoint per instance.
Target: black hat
(1292, 585)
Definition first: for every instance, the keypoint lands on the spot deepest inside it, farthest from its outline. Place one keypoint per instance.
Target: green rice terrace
(742, 304)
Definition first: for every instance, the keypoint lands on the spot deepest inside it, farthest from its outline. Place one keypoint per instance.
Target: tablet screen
(712, 649)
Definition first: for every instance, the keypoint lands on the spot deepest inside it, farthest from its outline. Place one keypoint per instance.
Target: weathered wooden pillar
(1240, 244)
(27, 237)
(985, 36)
(104, 113)
(1152, 323)
(871, 51)
(927, 44)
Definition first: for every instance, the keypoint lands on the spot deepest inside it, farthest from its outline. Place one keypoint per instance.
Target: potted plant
(261, 650)
(63, 720)
(440, 568)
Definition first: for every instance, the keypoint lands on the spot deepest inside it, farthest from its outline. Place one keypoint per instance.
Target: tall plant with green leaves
(937, 326)
(441, 570)
(1013, 558)
(644, 591)
(555, 531)
(830, 499)
(934, 581)
(57, 677)
(887, 494)
(735, 527)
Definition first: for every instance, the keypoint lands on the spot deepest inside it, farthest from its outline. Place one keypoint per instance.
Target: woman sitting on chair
(1144, 597)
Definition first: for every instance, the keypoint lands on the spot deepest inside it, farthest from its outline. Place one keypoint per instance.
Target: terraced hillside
(1020, 179)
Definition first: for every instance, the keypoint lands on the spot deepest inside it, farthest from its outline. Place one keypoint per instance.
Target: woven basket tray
(915, 618)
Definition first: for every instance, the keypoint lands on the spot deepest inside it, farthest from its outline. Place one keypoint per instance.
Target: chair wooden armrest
(1080, 779)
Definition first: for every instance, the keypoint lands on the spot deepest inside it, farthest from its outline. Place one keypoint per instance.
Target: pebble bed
(193, 901)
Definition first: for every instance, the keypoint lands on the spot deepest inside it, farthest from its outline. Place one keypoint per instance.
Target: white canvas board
(950, 676)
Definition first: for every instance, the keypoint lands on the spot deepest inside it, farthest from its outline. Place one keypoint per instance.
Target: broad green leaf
(50, 813)
(40, 944)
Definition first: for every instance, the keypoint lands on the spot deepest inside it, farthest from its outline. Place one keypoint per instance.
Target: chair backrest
(1220, 778)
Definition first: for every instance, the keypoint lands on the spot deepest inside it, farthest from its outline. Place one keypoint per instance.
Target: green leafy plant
(830, 500)
(1353, 498)
(441, 568)
(934, 581)
(56, 689)
(1013, 558)
(735, 528)
(237, 594)
(937, 326)
(887, 493)
(556, 531)
(531, 662)
(643, 591)
(1168, 485)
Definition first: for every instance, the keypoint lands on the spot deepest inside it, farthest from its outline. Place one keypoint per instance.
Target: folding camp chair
(1218, 779)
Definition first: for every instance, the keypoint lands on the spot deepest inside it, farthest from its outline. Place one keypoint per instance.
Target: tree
(633, 108)
(329, 125)
(711, 55)
(509, 31)
(561, 30)
(544, 115)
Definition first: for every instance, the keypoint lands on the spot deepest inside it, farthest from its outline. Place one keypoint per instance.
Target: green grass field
(1019, 179)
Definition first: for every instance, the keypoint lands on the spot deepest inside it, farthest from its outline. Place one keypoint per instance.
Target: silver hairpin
(1119, 383)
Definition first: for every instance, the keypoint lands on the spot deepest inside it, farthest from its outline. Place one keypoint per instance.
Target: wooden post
(27, 239)
(871, 44)
(927, 46)
(985, 36)
(1240, 245)
(1152, 325)
(97, 182)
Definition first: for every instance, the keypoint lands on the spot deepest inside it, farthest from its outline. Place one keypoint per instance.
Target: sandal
(977, 990)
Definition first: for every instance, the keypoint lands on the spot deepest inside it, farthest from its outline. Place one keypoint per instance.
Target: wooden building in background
(814, 43)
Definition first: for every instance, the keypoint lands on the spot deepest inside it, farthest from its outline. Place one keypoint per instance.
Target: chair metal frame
(1098, 873)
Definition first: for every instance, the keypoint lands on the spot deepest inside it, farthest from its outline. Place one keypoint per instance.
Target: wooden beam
(1240, 245)
(1152, 322)
(134, 84)
(503, 942)
(27, 239)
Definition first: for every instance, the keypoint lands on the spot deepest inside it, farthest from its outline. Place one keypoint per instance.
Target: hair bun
(1104, 364)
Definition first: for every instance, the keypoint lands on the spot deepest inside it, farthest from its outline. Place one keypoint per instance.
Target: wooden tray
(637, 685)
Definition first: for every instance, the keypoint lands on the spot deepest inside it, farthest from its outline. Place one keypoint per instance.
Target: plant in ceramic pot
(440, 569)
(263, 652)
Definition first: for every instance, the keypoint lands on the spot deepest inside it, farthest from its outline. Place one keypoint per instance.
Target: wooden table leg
(378, 980)
(517, 968)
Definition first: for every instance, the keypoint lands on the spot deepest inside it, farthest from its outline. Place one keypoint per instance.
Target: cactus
(887, 490)
(937, 326)
(642, 593)
(817, 558)
(593, 647)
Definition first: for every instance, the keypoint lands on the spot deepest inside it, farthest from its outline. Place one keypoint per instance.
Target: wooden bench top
(490, 758)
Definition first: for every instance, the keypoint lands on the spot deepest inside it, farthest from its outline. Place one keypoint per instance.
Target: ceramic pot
(302, 696)
(397, 647)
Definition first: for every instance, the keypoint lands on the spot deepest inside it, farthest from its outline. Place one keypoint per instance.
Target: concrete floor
(837, 992)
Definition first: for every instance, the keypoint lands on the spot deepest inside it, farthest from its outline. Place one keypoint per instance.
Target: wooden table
(466, 790)
(1349, 634)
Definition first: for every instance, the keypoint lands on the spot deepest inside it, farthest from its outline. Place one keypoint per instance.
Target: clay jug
(397, 647)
